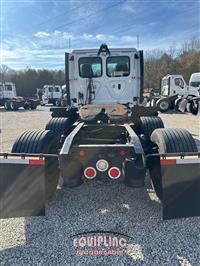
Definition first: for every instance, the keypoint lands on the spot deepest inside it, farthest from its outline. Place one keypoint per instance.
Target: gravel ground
(94, 206)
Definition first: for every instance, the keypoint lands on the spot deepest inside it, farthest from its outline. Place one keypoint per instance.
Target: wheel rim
(164, 105)
(12, 106)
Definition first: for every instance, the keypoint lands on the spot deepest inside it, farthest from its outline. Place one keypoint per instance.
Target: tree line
(27, 81)
(158, 63)
(183, 61)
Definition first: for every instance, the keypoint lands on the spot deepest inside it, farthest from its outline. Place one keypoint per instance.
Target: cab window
(165, 82)
(1, 87)
(50, 89)
(195, 83)
(90, 67)
(179, 82)
(118, 66)
(57, 89)
(8, 87)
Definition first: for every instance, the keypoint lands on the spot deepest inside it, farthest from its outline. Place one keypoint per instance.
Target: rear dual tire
(168, 140)
(41, 142)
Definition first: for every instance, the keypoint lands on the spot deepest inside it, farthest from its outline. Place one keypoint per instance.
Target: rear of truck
(79, 144)
(102, 152)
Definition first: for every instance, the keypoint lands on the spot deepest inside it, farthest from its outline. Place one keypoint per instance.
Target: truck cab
(7, 91)
(176, 85)
(195, 80)
(105, 75)
(51, 94)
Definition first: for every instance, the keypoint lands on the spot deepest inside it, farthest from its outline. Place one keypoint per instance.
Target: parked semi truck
(191, 103)
(174, 89)
(104, 133)
(12, 102)
(50, 94)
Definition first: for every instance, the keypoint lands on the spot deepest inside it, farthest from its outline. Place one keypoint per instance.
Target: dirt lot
(94, 206)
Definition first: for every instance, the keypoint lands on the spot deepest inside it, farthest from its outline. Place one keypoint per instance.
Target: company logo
(99, 244)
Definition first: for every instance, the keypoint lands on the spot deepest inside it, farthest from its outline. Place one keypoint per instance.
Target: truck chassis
(77, 150)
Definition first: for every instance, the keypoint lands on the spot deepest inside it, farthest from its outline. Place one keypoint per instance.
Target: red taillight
(122, 152)
(114, 172)
(90, 172)
(82, 153)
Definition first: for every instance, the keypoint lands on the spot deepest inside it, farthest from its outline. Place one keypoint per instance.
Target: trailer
(106, 134)
(173, 90)
(12, 102)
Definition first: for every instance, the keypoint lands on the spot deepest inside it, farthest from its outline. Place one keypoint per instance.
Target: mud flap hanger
(180, 179)
(22, 185)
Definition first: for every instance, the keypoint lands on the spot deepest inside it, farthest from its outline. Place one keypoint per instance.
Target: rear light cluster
(90, 172)
(102, 166)
(121, 153)
(114, 172)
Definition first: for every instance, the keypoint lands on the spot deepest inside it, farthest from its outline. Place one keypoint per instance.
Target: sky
(37, 33)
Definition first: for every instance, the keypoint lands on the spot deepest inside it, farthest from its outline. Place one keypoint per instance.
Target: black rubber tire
(45, 142)
(61, 126)
(57, 103)
(7, 105)
(168, 140)
(159, 104)
(13, 106)
(148, 124)
(173, 140)
(176, 104)
(193, 108)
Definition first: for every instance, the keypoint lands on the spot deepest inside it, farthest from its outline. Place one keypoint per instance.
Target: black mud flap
(180, 187)
(22, 187)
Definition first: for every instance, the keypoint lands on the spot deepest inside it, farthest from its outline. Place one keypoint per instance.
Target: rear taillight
(90, 173)
(122, 152)
(82, 153)
(114, 172)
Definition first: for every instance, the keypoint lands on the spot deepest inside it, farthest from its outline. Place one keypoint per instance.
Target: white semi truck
(103, 134)
(174, 89)
(50, 94)
(12, 102)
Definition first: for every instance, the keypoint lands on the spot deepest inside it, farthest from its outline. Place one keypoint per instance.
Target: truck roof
(172, 75)
(95, 51)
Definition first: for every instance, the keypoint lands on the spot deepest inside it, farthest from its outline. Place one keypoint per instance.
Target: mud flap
(198, 113)
(180, 187)
(22, 187)
(183, 105)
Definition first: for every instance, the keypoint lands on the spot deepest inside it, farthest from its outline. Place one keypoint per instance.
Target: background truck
(10, 100)
(104, 134)
(50, 94)
(174, 89)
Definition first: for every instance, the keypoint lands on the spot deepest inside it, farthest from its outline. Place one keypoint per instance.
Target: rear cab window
(90, 67)
(118, 66)
(57, 89)
(8, 87)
